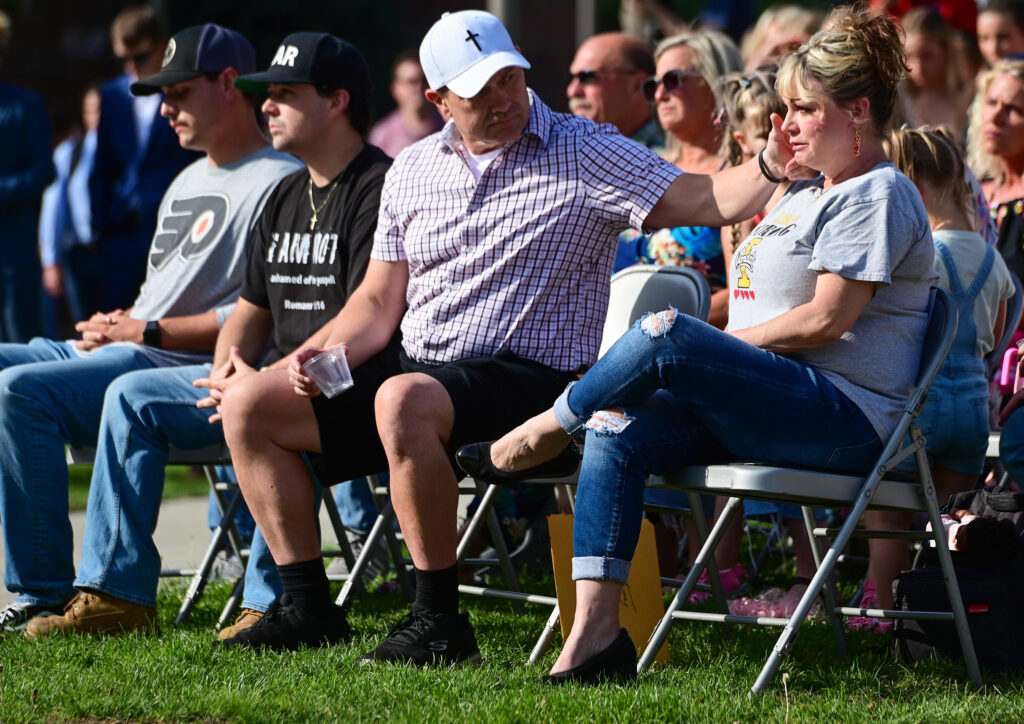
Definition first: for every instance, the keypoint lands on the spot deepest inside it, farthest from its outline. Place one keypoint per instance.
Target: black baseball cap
(317, 58)
(198, 50)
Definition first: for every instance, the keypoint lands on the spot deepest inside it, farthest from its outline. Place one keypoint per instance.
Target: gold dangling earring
(856, 142)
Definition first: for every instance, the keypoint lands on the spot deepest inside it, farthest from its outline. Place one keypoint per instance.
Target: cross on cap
(463, 50)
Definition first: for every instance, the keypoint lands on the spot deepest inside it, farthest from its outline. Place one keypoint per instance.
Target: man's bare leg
(414, 420)
(415, 416)
(266, 425)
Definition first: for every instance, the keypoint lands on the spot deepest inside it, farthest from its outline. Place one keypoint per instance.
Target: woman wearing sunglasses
(826, 321)
(686, 97)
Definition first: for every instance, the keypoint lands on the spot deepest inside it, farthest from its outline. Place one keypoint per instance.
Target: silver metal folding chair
(812, 488)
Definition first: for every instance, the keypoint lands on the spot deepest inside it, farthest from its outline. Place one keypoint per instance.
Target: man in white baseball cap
(492, 254)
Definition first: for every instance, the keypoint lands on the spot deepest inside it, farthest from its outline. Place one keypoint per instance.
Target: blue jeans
(49, 397)
(694, 394)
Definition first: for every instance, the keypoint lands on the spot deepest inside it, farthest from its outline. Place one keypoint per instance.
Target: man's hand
(304, 386)
(116, 326)
(220, 379)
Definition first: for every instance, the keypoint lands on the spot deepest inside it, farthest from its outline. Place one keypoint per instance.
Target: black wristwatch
(151, 334)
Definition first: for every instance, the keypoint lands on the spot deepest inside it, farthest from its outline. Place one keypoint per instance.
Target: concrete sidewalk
(181, 535)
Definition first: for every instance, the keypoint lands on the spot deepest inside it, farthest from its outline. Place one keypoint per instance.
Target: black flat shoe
(615, 663)
(475, 460)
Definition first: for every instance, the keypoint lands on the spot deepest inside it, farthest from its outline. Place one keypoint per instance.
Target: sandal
(775, 602)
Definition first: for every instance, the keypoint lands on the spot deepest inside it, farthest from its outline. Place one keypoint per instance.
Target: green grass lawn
(180, 676)
(180, 481)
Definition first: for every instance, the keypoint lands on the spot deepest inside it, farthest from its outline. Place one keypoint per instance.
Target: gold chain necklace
(316, 212)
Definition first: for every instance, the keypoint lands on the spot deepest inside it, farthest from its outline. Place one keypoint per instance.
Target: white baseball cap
(463, 50)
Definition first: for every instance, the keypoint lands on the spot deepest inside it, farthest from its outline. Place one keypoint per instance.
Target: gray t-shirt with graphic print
(198, 252)
(870, 228)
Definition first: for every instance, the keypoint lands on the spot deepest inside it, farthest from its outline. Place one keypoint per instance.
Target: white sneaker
(17, 615)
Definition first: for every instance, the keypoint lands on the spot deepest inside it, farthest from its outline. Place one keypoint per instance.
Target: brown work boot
(92, 612)
(245, 619)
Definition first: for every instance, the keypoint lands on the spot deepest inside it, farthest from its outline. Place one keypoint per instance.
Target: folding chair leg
(497, 536)
(544, 640)
(358, 567)
(714, 579)
(199, 580)
(232, 604)
(704, 557)
(948, 574)
(818, 581)
(344, 547)
(828, 598)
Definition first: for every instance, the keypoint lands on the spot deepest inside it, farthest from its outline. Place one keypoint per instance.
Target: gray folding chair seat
(812, 488)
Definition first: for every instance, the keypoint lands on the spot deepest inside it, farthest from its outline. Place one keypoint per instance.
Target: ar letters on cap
(286, 55)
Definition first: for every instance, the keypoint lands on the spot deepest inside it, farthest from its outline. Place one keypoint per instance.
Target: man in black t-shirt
(308, 252)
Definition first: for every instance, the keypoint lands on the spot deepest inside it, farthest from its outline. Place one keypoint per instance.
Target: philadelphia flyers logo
(191, 228)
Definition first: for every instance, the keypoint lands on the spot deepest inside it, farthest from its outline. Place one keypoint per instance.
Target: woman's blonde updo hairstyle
(855, 55)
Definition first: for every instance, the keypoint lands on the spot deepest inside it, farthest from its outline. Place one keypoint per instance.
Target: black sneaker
(426, 638)
(17, 615)
(287, 627)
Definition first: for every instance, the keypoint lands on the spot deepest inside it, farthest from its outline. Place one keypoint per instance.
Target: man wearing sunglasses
(137, 157)
(606, 85)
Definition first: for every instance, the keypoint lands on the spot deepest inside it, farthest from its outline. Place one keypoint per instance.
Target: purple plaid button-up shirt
(521, 259)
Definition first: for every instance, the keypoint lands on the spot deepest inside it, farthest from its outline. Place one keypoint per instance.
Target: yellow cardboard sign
(641, 607)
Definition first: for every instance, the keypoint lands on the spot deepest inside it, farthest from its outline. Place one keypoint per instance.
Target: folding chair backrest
(644, 288)
(938, 340)
(1014, 307)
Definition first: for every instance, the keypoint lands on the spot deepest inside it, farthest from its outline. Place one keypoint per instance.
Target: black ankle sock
(307, 584)
(437, 591)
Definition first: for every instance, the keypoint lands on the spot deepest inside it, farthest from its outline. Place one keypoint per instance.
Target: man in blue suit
(25, 170)
(137, 157)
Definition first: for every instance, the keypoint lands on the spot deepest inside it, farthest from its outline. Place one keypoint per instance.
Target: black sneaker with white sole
(287, 627)
(17, 615)
(426, 638)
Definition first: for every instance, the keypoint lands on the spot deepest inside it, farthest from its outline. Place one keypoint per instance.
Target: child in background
(1000, 30)
(955, 418)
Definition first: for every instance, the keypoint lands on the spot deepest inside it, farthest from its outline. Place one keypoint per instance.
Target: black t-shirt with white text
(304, 276)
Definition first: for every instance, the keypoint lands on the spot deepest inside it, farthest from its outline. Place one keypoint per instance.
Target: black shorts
(491, 395)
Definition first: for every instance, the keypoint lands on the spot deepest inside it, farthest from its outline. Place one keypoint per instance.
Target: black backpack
(991, 584)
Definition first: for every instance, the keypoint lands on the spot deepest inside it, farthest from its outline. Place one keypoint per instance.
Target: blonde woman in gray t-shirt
(827, 317)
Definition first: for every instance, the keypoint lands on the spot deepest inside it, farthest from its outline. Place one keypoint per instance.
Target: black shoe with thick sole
(286, 627)
(426, 638)
(475, 460)
(616, 663)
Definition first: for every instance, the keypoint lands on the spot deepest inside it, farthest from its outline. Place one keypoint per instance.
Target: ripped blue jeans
(675, 391)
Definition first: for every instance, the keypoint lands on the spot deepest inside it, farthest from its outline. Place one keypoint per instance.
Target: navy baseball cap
(317, 58)
(198, 50)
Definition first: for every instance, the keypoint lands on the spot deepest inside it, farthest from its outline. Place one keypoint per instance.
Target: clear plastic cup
(329, 370)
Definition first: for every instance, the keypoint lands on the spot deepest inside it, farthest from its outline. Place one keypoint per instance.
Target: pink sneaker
(869, 623)
(732, 578)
